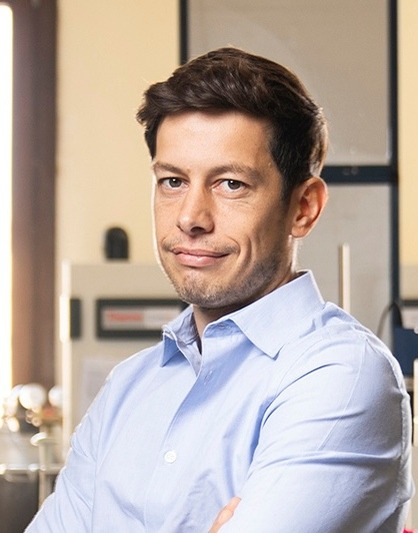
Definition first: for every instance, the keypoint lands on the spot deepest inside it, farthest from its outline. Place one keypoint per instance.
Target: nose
(196, 212)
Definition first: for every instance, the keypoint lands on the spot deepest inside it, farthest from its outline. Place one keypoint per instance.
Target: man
(262, 399)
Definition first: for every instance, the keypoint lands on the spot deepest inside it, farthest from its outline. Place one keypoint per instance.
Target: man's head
(231, 79)
(236, 146)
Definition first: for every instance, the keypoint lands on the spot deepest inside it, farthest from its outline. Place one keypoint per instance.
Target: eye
(171, 183)
(232, 185)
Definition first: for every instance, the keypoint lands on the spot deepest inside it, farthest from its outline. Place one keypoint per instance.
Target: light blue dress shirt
(293, 406)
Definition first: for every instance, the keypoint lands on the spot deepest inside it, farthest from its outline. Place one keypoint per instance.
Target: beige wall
(109, 51)
(408, 145)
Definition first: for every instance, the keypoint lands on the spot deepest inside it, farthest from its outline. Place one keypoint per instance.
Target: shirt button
(170, 457)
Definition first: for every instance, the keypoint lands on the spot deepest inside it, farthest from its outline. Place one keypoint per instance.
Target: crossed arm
(342, 468)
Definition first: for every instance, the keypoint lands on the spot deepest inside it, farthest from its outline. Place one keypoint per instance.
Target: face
(222, 234)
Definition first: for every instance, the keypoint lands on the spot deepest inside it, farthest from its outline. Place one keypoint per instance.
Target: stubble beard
(194, 289)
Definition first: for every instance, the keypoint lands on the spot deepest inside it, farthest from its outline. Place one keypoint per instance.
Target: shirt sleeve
(333, 453)
(69, 507)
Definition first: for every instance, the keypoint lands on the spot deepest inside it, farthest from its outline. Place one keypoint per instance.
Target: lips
(196, 257)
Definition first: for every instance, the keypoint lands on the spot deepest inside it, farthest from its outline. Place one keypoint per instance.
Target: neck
(204, 316)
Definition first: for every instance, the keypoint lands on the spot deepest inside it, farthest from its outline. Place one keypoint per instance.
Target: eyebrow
(166, 167)
(236, 168)
(233, 168)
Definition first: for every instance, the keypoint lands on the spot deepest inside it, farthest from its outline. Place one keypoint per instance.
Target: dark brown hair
(231, 79)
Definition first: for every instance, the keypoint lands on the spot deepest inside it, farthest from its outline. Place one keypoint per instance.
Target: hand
(225, 514)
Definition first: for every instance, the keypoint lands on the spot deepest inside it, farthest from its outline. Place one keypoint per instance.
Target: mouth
(196, 257)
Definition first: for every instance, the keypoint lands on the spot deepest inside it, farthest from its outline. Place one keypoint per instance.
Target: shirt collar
(282, 315)
(181, 330)
(269, 323)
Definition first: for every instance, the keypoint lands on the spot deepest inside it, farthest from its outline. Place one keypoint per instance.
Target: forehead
(228, 134)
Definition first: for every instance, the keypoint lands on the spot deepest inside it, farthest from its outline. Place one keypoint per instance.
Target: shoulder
(339, 361)
(136, 365)
(335, 337)
(343, 387)
(118, 389)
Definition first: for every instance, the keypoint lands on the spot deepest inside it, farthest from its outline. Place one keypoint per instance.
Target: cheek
(267, 235)
(162, 219)
(160, 235)
(254, 240)
(265, 223)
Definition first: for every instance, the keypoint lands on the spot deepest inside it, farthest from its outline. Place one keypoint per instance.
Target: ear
(306, 204)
